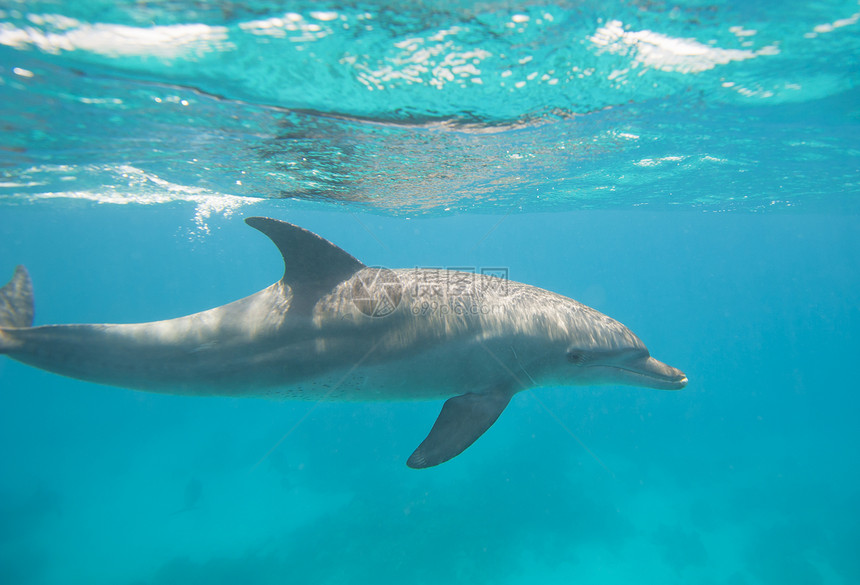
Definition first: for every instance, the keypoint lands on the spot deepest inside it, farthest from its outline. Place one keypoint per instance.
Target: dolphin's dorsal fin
(463, 419)
(313, 266)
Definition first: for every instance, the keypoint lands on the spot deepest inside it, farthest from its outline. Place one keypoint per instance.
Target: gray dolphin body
(335, 329)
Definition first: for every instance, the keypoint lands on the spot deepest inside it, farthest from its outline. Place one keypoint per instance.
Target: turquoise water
(690, 169)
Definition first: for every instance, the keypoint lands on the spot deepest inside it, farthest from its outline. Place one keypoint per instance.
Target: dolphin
(335, 329)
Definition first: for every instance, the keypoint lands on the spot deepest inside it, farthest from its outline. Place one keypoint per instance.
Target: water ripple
(434, 108)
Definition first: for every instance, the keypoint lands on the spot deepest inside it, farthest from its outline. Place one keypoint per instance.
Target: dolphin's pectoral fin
(312, 265)
(463, 419)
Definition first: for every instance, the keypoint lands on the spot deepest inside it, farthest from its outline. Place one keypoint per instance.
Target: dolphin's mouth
(648, 372)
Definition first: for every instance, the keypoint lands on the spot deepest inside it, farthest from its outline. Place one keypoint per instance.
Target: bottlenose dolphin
(335, 329)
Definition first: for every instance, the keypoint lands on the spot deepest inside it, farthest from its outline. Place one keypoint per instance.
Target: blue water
(690, 169)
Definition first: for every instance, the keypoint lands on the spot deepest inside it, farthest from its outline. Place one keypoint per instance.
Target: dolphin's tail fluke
(16, 304)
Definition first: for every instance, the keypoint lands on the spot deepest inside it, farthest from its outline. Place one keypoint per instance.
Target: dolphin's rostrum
(335, 329)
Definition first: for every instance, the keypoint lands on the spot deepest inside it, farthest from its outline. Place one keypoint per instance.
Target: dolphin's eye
(575, 357)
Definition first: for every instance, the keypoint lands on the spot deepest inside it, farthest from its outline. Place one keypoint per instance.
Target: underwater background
(691, 169)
